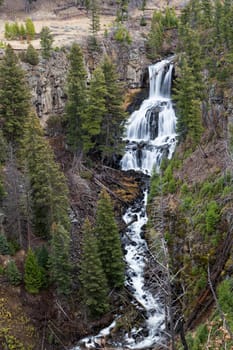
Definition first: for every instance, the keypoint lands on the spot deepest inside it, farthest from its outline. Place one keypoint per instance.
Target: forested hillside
(191, 199)
(63, 194)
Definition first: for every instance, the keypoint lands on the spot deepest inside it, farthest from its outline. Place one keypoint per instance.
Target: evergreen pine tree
(4, 246)
(16, 30)
(14, 97)
(155, 36)
(31, 55)
(95, 20)
(7, 31)
(112, 126)
(49, 192)
(46, 42)
(95, 26)
(30, 29)
(33, 276)
(22, 32)
(96, 110)
(3, 148)
(42, 256)
(92, 277)
(2, 189)
(77, 95)
(109, 242)
(218, 12)
(59, 258)
(227, 23)
(207, 17)
(188, 105)
(13, 274)
(122, 12)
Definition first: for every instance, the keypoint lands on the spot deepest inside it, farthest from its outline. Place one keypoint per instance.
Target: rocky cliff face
(47, 80)
(47, 84)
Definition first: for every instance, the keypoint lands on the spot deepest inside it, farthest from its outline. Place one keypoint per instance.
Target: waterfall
(150, 133)
(150, 136)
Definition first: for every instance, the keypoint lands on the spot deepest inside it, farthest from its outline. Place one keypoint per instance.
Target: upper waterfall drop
(150, 133)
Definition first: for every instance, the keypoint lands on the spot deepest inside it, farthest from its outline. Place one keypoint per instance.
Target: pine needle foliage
(188, 103)
(4, 246)
(13, 274)
(31, 55)
(112, 126)
(49, 192)
(46, 42)
(92, 277)
(14, 97)
(107, 232)
(33, 275)
(59, 259)
(30, 29)
(95, 19)
(96, 110)
(77, 95)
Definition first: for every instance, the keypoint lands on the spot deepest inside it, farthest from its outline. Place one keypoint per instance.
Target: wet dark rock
(152, 115)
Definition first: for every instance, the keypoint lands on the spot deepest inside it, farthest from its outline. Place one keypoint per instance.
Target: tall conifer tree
(33, 276)
(92, 277)
(95, 20)
(189, 123)
(59, 258)
(77, 95)
(112, 126)
(49, 193)
(96, 110)
(14, 96)
(109, 242)
(46, 42)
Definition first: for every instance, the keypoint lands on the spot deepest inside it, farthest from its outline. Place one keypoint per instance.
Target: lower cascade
(150, 136)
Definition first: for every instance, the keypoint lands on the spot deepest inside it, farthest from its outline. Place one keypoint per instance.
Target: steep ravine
(150, 137)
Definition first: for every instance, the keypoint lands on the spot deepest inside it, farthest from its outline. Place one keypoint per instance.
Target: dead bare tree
(164, 275)
(28, 5)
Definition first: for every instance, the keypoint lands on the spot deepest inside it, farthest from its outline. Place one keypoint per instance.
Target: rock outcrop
(47, 80)
(47, 84)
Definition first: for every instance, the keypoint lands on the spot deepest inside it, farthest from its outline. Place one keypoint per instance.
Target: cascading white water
(150, 131)
(150, 136)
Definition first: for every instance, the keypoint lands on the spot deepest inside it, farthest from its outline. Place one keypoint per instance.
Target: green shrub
(14, 246)
(33, 275)
(14, 31)
(206, 189)
(30, 29)
(13, 274)
(143, 21)
(200, 337)
(46, 42)
(212, 216)
(187, 203)
(155, 186)
(31, 55)
(7, 31)
(4, 245)
(122, 35)
(169, 19)
(225, 292)
(2, 45)
(22, 31)
(184, 189)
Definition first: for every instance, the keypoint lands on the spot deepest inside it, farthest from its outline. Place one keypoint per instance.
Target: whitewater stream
(150, 136)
